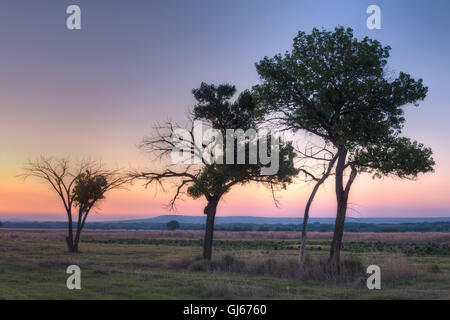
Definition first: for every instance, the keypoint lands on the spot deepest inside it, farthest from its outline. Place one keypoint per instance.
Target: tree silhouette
(173, 225)
(81, 186)
(211, 180)
(337, 88)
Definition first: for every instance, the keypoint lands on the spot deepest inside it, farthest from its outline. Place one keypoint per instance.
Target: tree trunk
(210, 211)
(70, 246)
(77, 239)
(69, 238)
(342, 198)
(77, 234)
(302, 256)
(81, 221)
(335, 250)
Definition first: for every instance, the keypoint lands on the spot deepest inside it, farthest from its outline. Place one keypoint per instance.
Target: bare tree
(318, 173)
(81, 186)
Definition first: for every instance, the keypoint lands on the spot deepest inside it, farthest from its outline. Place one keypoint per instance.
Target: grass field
(246, 265)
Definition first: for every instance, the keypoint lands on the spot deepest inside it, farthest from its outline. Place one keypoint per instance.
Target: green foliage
(212, 180)
(336, 87)
(173, 225)
(89, 189)
(213, 104)
(399, 157)
(214, 107)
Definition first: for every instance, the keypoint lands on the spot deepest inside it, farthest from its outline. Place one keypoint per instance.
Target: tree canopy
(212, 180)
(338, 88)
(89, 188)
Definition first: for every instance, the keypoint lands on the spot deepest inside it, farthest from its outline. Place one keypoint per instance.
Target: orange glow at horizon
(33, 197)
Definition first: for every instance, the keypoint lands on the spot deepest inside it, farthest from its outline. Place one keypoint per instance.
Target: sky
(97, 91)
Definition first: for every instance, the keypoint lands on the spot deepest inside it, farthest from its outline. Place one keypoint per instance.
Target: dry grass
(352, 269)
(316, 269)
(31, 260)
(398, 266)
(58, 234)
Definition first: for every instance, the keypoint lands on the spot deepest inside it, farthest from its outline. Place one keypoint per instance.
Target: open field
(246, 265)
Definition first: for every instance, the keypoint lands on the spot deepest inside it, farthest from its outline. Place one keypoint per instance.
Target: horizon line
(30, 219)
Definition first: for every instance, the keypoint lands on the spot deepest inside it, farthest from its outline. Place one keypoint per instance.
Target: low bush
(396, 267)
(312, 270)
(435, 269)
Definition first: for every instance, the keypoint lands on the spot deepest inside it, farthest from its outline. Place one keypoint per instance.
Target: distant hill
(221, 220)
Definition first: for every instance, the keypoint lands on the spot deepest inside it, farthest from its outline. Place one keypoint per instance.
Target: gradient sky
(97, 91)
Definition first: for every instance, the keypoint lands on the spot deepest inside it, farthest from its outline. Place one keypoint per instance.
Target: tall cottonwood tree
(79, 186)
(213, 179)
(336, 87)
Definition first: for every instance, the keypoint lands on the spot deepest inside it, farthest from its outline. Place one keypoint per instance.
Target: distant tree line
(313, 227)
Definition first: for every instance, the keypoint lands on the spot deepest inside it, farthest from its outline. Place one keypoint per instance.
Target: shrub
(199, 265)
(397, 267)
(173, 225)
(313, 270)
(435, 268)
(231, 263)
(319, 270)
(389, 229)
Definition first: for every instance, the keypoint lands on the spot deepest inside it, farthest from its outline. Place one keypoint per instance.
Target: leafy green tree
(173, 225)
(337, 88)
(212, 180)
(80, 186)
